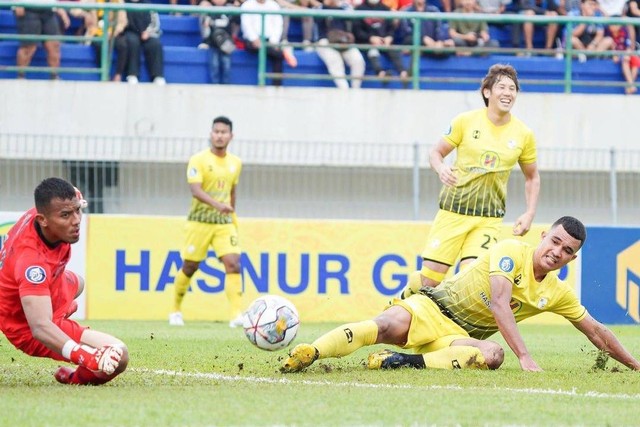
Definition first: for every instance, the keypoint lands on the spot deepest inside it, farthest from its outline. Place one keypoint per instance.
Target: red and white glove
(83, 202)
(104, 359)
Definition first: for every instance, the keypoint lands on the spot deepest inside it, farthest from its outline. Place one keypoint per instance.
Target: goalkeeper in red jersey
(37, 293)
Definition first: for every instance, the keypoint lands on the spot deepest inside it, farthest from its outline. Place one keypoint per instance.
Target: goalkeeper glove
(104, 359)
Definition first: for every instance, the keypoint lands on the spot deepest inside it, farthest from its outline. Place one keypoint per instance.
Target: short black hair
(223, 119)
(52, 188)
(574, 227)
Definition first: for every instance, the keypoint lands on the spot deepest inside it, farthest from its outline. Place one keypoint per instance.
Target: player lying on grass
(37, 293)
(447, 326)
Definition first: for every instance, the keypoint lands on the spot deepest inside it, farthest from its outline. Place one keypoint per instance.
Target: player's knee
(189, 268)
(393, 326)
(493, 354)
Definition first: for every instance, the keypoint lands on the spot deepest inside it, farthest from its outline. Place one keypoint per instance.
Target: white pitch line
(252, 379)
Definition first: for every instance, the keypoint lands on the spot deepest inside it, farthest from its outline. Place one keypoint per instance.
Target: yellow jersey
(466, 297)
(218, 176)
(486, 155)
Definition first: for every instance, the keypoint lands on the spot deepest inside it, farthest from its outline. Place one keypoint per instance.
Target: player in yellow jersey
(489, 142)
(212, 175)
(447, 326)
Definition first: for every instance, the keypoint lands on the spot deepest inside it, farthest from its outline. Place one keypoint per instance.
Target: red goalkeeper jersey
(28, 266)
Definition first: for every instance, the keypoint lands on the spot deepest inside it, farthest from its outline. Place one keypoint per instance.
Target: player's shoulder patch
(192, 172)
(35, 274)
(506, 264)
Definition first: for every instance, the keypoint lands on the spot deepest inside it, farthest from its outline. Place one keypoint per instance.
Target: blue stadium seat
(180, 31)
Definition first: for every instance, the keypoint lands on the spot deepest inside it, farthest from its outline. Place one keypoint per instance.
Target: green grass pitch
(206, 374)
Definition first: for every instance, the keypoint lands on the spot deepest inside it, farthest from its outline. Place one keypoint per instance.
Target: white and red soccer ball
(271, 322)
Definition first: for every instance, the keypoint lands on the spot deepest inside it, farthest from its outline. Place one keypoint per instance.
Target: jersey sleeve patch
(35, 274)
(192, 173)
(506, 264)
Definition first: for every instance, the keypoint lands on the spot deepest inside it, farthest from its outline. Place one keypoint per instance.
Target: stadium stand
(185, 63)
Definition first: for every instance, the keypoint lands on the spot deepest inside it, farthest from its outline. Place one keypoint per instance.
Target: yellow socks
(181, 285)
(233, 290)
(346, 339)
(455, 357)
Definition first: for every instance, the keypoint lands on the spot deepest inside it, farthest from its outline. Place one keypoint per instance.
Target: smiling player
(489, 142)
(447, 326)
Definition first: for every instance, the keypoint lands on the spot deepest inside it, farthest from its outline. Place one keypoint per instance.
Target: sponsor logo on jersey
(35, 274)
(512, 144)
(476, 134)
(506, 264)
(349, 334)
(542, 303)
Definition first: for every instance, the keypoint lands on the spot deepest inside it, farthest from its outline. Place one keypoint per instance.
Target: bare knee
(393, 326)
(189, 268)
(493, 354)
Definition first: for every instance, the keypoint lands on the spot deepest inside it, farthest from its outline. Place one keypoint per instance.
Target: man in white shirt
(251, 25)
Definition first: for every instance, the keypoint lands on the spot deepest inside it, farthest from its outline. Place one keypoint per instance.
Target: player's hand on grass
(104, 359)
(528, 364)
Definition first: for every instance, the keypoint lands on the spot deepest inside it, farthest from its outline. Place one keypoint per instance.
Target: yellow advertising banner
(331, 270)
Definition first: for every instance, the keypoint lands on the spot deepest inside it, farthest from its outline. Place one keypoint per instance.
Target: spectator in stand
(338, 31)
(532, 8)
(307, 21)
(628, 63)
(612, 7)
(378, 32)
(251, 25)
(433, 34)
(633, 11)
(470, 33)
(117, 24)
(216, 30)
(39, 22)
(590, 36)
(142, 31)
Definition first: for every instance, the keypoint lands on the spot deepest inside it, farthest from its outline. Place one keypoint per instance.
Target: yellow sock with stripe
(433, 275)
(455, 357)
(180, 287)
(233, 290)
(346, 339)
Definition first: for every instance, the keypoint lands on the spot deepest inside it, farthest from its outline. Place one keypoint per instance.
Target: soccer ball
(271, 322)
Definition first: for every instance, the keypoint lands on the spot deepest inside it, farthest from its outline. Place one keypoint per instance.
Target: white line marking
(251, 379)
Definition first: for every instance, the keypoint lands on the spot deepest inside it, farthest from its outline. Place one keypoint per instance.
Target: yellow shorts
(223, 238)
(454, 236)
(430, 330)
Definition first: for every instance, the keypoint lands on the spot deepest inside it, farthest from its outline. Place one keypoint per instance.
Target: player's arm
(200, 194)
(500, 300)
(532, 193)
(37, 310)
(605, 340)
(39, 315)
(436, 160)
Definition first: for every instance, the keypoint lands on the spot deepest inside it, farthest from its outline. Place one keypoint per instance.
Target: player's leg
(225, 243)
(198, 238)
(390, 327)
(446, 236)
(450, 352)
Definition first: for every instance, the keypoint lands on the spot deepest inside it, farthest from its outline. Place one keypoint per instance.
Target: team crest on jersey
(35, 274)
(475, 134)
(192, 172)
(506, 264)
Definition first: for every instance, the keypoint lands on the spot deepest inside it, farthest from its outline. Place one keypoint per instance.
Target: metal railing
(416, 49)
(293, 179)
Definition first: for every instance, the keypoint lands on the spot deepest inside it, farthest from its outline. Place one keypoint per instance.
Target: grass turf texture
(208, 374)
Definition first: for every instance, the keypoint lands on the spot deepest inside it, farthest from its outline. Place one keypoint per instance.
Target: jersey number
(485, 245)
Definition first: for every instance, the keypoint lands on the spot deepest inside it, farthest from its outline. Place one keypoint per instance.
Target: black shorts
(37, 21)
